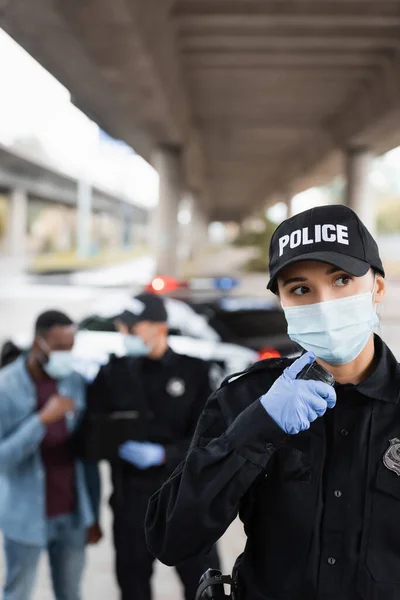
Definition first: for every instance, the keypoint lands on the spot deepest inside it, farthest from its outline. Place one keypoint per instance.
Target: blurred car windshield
(249, 321)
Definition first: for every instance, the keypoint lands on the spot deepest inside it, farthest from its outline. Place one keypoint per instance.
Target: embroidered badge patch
(391, 458)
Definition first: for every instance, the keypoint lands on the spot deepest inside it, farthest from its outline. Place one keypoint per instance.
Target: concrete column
(358, 190)
(127, 228)
(198, 227)
(184, 231)
(167, 161)
(65, 238)
(287, 197)
(84, 217)
(17, 222)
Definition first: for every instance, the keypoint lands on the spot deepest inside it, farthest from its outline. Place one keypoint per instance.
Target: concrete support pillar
(287, 197)
(198, 227)
(65, 236)
(84, 217)
(358, 190)
(17, 222)
(127, 228)
(167, 161)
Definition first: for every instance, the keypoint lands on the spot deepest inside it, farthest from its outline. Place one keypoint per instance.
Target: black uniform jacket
(140, 399)
(321, 509)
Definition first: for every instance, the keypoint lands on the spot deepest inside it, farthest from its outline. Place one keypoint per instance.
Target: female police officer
(313, 471)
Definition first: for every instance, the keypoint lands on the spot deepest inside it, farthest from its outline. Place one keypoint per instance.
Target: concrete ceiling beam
(122, 69)
(290, 8)
(313, 112)
(220, 77)
(375, 102)
(367, 114)
(152, 19)
(289, 41)
(130, 63)
(215, 104)
(38, 26)
(271, 21)
(197, 61)
(278, 121)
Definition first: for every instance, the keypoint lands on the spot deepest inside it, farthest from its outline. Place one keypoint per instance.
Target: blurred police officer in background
(313, 470)
(48, 499)
(142, 413)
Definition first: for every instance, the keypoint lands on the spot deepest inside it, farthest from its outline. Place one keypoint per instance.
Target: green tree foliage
(259, 240)
(388, 215)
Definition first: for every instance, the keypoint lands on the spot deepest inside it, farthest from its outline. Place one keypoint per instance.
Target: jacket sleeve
(93, 486)
(197, 504)
(18, 445)
(90, 468)
(98, 393)
(176, 451)
(97, 403)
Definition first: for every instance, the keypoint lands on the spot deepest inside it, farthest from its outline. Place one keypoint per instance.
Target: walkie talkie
(316, 372)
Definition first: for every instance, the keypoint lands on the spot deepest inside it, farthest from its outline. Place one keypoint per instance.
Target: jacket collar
(23, 374)
(168, 359)
(384, 382)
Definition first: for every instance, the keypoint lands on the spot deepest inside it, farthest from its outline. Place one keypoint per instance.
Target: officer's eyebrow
(333, 270)
(294, 280)
(330, 271)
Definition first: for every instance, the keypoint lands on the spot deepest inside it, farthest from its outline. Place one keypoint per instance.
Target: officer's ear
(37, 349)
(380, 288)
(163, 328)
(121, 327)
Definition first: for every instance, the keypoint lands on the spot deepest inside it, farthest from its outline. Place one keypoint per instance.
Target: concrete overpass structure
(235, 101)
(24, 179)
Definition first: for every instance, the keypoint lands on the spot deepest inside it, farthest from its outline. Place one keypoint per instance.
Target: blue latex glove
(142, 455)
(295, 403)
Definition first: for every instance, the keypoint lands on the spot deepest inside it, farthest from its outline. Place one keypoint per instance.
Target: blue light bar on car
(226, 283)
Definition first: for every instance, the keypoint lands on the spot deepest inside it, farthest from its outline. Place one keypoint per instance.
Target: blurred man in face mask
(313, 469)
(48, 499)
(142, 412)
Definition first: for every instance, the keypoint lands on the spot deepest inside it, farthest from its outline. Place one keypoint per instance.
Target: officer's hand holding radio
(294, 403)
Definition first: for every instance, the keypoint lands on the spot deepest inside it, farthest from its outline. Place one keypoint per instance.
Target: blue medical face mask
(59, 363)
(135, 346)
(337, 330)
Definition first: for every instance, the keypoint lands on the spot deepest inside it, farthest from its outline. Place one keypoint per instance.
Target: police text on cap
(319, 233)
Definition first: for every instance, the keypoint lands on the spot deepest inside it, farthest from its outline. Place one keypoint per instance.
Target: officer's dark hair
(50, 319)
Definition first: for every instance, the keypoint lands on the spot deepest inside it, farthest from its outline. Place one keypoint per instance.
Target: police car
(190, 334)
(254, 322)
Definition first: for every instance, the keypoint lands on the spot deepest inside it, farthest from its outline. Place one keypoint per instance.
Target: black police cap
(144, 307)
(332, 234)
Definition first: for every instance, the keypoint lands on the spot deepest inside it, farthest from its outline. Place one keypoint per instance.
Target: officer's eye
(343, 280)
(300, 290)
